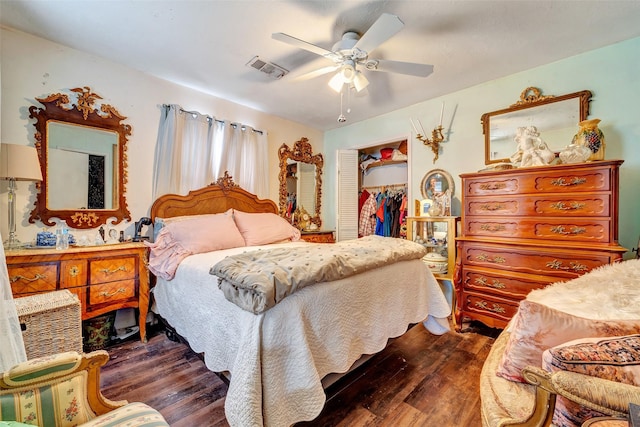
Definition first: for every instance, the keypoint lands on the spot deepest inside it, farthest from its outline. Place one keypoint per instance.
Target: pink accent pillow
(179, 239)
(264, 228)
(537, 327)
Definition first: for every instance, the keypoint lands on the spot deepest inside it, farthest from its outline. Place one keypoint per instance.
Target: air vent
(272, 70)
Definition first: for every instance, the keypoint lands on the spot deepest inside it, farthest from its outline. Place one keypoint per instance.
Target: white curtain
(183, 158)
(193, 150)
(12, 349)
(243, 153)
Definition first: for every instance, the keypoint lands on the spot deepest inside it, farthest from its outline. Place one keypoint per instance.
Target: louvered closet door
(347, 189)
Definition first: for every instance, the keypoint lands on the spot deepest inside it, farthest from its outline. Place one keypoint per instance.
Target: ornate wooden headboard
(218, 197)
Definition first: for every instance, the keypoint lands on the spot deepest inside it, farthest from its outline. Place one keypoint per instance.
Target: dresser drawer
(490, 306)
(545, 261)
(112, 269)
(31, 278)
(111, 293)
(540, 181)
(565, 229)
(561, 205)
(502, 283)
(73, 273)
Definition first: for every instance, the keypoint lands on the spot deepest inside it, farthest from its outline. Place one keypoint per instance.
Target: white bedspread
(278, 358)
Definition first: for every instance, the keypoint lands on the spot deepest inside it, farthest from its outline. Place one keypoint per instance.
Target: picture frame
(438, 186)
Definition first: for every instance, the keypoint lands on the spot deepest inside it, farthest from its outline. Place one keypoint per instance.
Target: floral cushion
(616, 359)
(537, 327)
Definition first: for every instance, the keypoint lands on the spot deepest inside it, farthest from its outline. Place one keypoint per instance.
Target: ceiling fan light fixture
(348, 71)
(336, 82)
(360, 81)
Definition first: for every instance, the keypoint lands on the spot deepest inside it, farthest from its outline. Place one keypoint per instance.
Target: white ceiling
(205, 45)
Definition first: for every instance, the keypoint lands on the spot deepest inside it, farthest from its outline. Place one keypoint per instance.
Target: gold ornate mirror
(555, 117)
(83, 160)
(300, 181)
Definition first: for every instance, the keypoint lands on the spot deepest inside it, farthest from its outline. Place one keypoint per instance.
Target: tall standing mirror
(555, 117)
(300, 181)
(82, 155)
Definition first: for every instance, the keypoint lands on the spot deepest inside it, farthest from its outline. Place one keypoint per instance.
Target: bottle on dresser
(62, 236)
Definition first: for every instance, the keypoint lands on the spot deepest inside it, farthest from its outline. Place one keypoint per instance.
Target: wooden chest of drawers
(522, 229)
(104, 278)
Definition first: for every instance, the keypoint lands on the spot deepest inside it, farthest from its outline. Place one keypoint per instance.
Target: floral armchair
(610, 398)
(63, 391)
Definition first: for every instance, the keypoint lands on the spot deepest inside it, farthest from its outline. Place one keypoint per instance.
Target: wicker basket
(51, 323)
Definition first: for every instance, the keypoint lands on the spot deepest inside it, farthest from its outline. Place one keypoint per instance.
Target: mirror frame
(57, 107)
(301, 152)
(531, 97)
(427, 177)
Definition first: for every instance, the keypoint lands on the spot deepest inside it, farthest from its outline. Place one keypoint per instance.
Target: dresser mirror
(82, 153)
(300, 181)
(555, 117)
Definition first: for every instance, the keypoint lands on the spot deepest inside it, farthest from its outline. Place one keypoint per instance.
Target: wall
(33, 67)
(611, 73)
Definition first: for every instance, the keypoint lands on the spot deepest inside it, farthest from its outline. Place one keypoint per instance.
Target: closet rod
(388, 186)
(217, 120)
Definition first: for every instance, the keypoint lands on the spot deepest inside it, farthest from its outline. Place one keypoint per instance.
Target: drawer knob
(490, 284)
(107, 271)
(496, 308)
(493, 228)
(575, 206)
(559, 229)
(490, 186)
(26, 279)
(487, 258)
(108, 294)
(491, 206)
(560, 182)
(573, 266)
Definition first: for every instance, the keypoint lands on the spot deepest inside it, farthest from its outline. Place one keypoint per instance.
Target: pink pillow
(202, 233)
(537, 327)
(264, 228)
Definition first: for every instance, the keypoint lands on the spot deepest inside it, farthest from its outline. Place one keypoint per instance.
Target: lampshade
(336, 82)
(19, 162)
(360, 81)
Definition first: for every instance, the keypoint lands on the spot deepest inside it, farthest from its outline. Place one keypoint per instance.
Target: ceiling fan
(353, 50)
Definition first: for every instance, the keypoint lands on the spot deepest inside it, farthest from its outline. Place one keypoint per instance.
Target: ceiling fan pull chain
(341, 117)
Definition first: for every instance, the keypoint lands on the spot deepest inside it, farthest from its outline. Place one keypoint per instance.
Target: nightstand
(105, 278)
(319, 236)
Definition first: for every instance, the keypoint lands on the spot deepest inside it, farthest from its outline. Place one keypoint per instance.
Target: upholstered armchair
(63, 391)
(605, 396)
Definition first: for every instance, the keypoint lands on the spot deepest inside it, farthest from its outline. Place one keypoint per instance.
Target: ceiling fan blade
(409, 68)
(303, 45)
(316, 73)
(382, 30)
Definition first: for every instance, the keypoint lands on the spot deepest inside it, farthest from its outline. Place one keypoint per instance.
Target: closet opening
(382, 182)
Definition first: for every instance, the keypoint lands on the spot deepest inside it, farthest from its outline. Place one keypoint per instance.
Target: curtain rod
(213, 118)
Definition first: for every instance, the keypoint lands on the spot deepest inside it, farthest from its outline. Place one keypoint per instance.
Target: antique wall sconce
(436, 135)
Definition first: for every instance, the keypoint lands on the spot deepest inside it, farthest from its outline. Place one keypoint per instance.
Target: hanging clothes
(383, 213)
(367, 219)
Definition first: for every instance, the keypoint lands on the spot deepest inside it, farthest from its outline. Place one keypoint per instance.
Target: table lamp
(17, 163)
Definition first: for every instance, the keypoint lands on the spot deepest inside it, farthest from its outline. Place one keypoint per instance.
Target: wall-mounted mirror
(300, 181)
(83, 160)
(555, 117)
(438, 186)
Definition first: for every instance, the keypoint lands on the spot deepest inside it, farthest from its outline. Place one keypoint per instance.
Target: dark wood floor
(418, 380)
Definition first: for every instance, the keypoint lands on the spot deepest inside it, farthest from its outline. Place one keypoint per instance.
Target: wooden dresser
(321, 236)
(104, 278)
(523, 229)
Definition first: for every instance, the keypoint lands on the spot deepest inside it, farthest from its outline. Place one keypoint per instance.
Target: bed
(278, 358)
